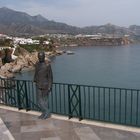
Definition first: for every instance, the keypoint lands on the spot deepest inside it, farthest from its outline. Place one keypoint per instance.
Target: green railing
(108, 104)
(18, 93)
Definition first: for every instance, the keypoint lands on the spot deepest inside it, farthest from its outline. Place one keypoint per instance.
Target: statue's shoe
(46, 116)
(41, 116)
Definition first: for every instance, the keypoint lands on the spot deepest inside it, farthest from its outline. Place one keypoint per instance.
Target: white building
(24, 41)
(4, 36)
(46, 42)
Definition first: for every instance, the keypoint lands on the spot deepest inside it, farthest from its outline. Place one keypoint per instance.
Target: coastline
(24, 63)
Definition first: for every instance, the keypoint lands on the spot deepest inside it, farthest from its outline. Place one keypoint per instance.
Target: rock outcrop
(22, 63)
(24, 60)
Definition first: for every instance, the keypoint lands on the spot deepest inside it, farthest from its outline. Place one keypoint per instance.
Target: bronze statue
(43, 78)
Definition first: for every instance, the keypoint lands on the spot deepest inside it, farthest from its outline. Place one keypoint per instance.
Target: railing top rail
(73, 84)
(13, 79)
(98, 86)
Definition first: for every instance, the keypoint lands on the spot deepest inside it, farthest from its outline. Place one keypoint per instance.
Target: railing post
(69, 102)
(5, 91)
(74, 106)
(80, 107)
(26, 98)
(18, 96)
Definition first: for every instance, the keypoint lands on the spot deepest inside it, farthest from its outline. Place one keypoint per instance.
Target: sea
(108, 66)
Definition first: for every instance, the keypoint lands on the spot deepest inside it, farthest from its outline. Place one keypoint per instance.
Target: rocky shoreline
(24, 62)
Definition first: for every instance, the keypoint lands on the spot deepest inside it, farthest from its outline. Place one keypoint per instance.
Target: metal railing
(108, 104)
(18, 93)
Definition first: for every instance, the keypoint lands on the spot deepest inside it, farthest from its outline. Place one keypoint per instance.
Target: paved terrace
(22, 125)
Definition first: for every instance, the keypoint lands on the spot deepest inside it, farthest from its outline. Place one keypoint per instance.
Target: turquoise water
(117, 66)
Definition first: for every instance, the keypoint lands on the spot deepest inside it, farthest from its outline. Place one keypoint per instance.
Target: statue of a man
(44, 79)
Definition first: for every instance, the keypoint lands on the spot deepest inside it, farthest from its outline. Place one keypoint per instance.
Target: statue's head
(41, 56)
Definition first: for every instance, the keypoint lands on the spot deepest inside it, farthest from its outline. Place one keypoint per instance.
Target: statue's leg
(40, 101)
(42, 109)
(43, 98)
(47, 111)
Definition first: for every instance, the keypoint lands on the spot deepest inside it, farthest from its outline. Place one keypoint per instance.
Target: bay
(117, 66)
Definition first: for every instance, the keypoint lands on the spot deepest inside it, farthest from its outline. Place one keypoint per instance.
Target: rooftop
(21, 125)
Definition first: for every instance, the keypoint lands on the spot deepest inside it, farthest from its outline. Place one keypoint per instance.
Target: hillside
(22, 24)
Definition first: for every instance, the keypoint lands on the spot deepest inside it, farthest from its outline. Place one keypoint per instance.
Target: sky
(81, 13)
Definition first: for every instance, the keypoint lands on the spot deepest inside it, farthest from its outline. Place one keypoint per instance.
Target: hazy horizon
(81, 13)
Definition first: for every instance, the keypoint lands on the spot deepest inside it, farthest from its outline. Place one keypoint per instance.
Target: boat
(69, 52)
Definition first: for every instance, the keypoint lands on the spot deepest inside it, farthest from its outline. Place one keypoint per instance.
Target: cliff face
(5, 55)
(89, 41)
(25, 60)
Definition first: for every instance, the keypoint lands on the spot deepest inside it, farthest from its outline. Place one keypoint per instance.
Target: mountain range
(22, 24)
